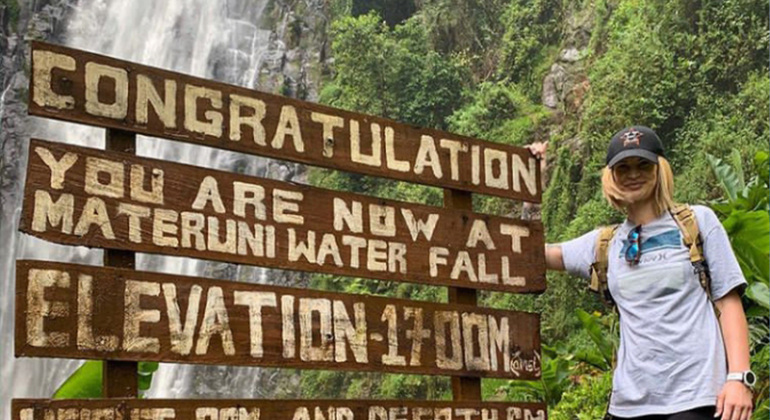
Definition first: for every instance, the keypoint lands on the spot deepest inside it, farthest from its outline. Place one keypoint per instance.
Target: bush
(586, 400)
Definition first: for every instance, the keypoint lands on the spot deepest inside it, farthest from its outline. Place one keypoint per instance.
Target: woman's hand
(538, 149)
(734, 402)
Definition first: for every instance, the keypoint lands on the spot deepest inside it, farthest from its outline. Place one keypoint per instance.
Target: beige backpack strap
(601, 262)
(688, 225)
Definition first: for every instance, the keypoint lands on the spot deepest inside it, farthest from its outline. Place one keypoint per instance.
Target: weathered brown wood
(88, 197)
(82, 87)
(463, 389)
(120, 378)
(76, 311)
(120, 141)
(40, 409)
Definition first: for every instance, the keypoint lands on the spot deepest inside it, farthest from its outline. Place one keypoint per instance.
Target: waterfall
(220, 40)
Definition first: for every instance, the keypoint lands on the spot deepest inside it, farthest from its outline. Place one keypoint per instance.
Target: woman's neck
(642, 212)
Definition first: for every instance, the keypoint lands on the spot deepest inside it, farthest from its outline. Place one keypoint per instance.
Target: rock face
(20, 24)
(298, 53)
(566, 84)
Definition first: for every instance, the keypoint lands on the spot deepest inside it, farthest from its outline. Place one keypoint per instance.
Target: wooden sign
(133, 409)
(87, 88)
(88, 197)
(76, 311)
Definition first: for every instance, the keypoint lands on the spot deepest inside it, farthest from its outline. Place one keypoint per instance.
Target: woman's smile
(634, 185)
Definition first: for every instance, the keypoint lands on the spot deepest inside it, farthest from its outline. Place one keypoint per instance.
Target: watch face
(750, 378)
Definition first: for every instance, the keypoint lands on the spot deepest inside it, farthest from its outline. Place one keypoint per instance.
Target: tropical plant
(606, 340)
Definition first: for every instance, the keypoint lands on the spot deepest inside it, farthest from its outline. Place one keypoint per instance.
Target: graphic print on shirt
(670, 239)
(653, 281)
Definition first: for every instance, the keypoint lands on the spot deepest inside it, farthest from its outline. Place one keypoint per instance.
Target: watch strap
(735, 376)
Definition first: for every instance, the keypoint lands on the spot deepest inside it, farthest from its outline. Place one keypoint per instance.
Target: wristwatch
(747, 377)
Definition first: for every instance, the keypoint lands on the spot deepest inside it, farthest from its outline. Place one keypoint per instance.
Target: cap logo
(630, 137)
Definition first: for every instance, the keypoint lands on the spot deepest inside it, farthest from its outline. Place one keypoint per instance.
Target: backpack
(685, 219)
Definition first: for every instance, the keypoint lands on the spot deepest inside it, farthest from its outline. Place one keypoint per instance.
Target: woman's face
(636, 177)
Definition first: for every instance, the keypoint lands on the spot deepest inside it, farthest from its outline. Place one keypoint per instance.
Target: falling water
(220, 40)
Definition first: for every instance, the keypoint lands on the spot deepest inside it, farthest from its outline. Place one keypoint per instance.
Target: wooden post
(463, 389)
(120, 379)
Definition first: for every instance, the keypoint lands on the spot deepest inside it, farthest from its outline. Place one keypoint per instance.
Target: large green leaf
(85, 382)
(750, 237)
(759, 293)
(735, 161)
(593, 358)
(761, 164)
(597, 334)
(726, 176)
(755, 196)
(555, 379)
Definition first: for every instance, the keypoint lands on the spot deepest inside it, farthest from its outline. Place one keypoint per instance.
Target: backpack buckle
(700, 267)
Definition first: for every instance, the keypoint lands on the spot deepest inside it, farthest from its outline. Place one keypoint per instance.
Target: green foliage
(607, 344)
(530, 26)
(722, 126)
(468, 26)
(586, 400)
(86, 381)
(732, 37)
(391, 73)
(499, 112)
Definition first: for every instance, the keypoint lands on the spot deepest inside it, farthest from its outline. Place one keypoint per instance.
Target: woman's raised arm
(553, 257)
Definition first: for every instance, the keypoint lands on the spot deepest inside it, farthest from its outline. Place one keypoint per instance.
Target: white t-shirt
(671, 356)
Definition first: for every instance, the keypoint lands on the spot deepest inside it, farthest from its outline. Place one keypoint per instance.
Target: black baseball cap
(638, 141)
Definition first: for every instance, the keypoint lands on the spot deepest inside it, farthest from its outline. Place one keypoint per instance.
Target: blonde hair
(663, 195)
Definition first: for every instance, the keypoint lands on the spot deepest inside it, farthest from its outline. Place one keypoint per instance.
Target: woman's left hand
(734, 402)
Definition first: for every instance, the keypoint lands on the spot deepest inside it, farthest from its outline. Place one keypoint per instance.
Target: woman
(672, 362)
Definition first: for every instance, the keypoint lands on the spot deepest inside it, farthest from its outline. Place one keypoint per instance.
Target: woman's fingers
(720, 404)
(746, 413)
(538, 148)
(727, 411)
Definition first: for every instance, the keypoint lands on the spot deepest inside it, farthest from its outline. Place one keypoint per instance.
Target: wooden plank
(119, 378)
(242, 409)
(463, 389)
(81, 196)
(75, 311)
(77, 86)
